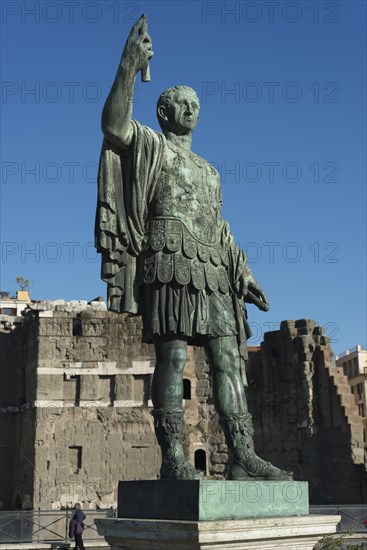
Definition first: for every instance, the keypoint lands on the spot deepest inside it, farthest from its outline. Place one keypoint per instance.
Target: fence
(46, 525)
(52, 525)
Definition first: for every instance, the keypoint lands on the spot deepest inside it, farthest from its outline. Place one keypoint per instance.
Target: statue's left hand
(254, 288)
(250, 290)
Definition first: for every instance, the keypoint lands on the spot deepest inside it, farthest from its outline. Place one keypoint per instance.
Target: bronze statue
(168, 255)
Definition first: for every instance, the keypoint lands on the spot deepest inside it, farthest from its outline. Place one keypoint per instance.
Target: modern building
(12, 306)
(354, 365)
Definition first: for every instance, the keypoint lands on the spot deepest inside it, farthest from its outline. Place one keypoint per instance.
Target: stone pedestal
(211, 499)
(212, 514)
(292, 533)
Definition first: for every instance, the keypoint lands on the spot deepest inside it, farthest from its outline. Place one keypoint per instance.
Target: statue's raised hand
(138, 47)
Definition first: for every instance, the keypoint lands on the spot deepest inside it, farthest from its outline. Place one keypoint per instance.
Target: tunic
(183, 267)
(167, 253)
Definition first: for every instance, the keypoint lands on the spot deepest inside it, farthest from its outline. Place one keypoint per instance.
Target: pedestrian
(76, 527)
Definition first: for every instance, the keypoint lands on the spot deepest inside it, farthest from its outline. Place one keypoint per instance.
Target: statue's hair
(166, 97)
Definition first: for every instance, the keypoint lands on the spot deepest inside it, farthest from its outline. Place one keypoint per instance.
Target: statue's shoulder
(146, 131)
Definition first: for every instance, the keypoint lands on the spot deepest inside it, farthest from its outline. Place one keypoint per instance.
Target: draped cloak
(126, 188)
(126, 185)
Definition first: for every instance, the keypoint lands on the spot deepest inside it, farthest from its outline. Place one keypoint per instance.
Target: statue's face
(182, 112)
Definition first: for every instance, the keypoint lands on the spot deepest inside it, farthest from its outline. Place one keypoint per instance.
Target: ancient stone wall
(80, 419)
(94, 378)
(313, 430)
(304, 415)
(303, 412)
(18, 358)
(76, 409)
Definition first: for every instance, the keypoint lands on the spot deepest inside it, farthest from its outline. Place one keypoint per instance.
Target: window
(186, 388)
(200, 460)
(355, 366)
(77, 327)
(75, 458)
(361, 409)
(107, 386)
(142, 389)
(9, 311)
(71, 390)
(350, 369)
(360, 390)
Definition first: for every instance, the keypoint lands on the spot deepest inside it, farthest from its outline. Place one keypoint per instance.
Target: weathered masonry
(75, 404)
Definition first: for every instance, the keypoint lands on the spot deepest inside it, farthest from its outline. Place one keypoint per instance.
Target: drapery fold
(126, 184)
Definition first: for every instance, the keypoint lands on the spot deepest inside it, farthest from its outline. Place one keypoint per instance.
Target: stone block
(211, 500)
(46, 314)
(309, 323)
(291, 533)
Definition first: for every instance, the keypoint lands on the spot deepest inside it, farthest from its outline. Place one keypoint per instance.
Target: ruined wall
(94, 378)
(303, 411)
(18, 359)
(309, 429)
(84, 420)
(76, 409)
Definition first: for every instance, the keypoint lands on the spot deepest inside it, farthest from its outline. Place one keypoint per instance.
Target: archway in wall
(186, 388)
(200, 460)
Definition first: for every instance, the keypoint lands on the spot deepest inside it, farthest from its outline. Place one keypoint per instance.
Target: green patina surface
(212, 499)
(169, 255)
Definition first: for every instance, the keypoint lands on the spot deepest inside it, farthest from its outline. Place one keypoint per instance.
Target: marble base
(293, 533)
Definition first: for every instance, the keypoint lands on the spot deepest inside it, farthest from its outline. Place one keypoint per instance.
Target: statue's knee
(177, 360)
(170, 354)
(229, 360)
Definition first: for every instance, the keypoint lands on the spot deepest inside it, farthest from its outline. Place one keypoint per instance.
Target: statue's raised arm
(116, 116)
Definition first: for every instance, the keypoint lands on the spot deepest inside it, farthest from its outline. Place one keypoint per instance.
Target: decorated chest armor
(183, 238)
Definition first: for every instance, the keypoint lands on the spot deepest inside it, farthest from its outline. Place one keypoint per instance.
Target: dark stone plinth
(195, 500)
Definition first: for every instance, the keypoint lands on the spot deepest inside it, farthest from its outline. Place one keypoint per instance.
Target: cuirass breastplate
(189, 190)
(183, 232)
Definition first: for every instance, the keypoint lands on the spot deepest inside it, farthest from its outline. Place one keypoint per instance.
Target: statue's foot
(256, 468)
(182, 470)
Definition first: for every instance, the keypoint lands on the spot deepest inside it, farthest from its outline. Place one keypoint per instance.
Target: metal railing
(353, 515)
(36, 526)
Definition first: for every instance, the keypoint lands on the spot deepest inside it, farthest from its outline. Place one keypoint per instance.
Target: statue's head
(178, 110)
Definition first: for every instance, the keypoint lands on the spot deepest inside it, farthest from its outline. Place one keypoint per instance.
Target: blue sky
(282, 88)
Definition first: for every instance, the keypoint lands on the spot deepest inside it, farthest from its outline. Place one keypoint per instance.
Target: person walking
(76, 527)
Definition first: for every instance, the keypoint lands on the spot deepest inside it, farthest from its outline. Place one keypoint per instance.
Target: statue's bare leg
(167, 387)
(231, 404)
(167, 393)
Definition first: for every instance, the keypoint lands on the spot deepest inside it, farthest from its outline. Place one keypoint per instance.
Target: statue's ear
(162, 112)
